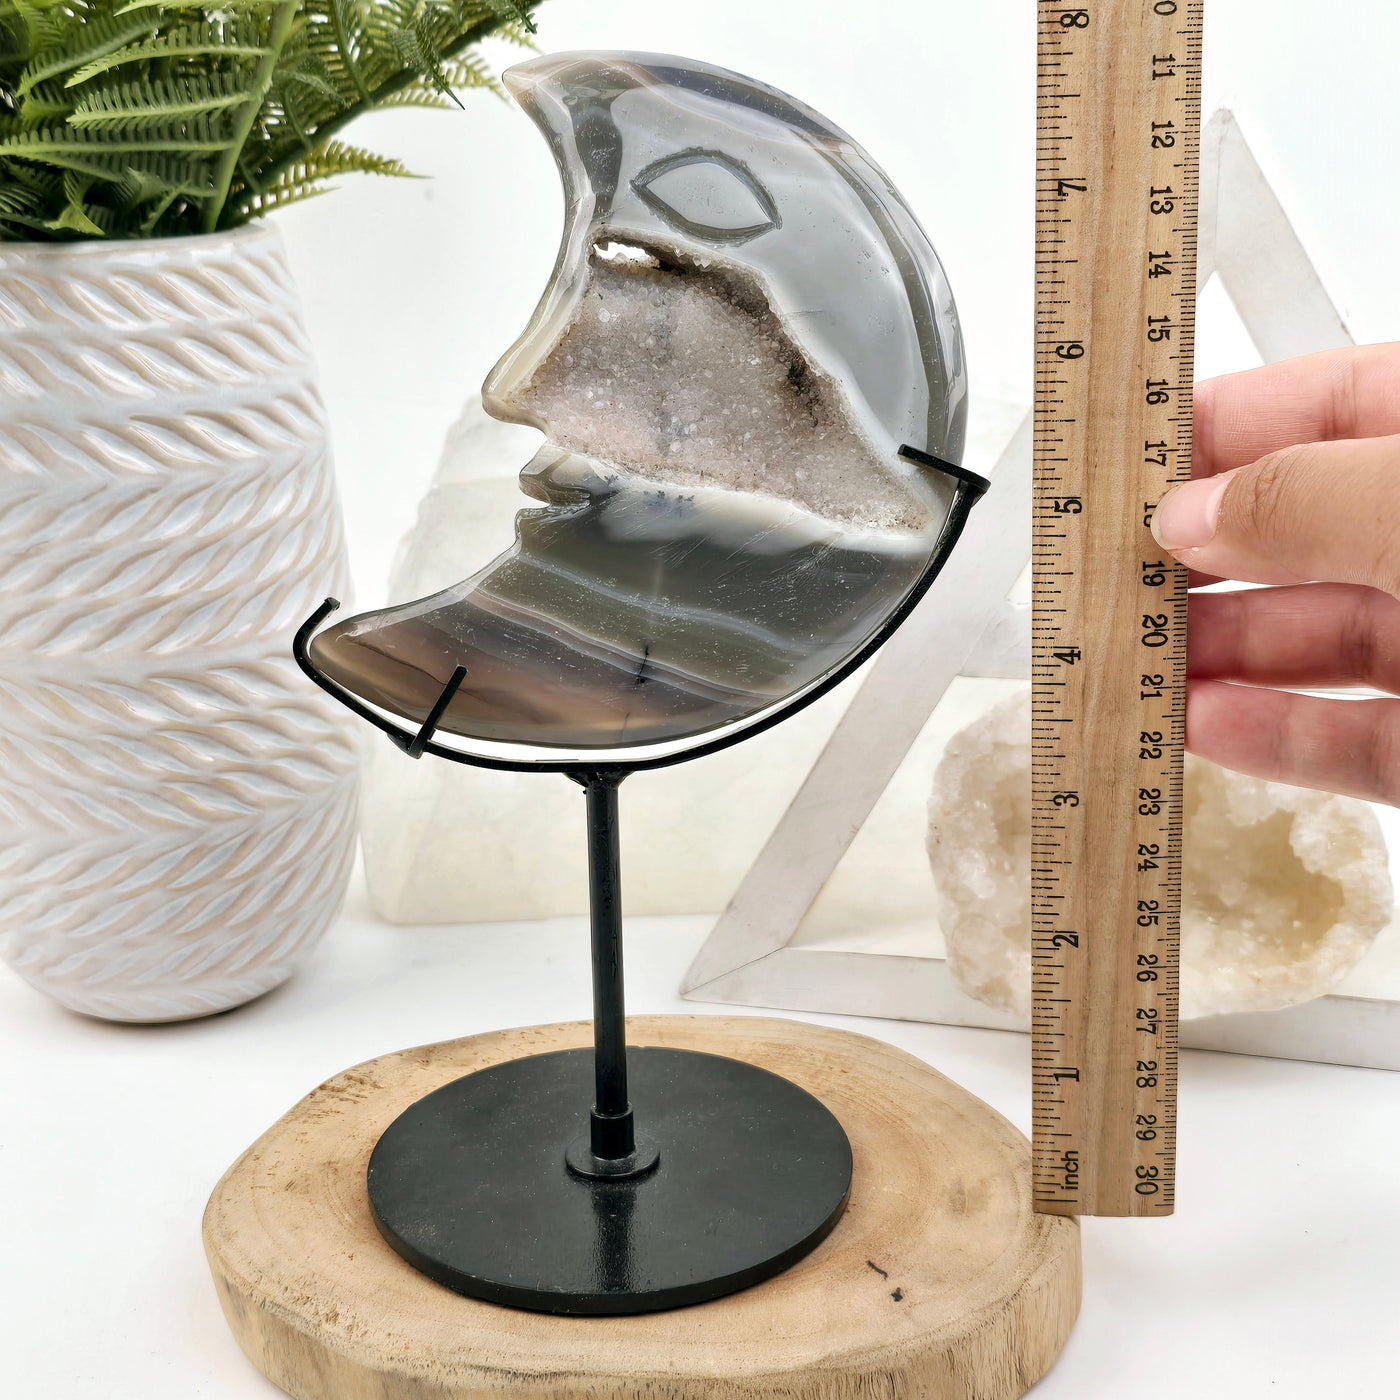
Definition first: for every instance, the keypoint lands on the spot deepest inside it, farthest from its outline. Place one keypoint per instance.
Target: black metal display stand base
(748, 1174)
(499, 1186)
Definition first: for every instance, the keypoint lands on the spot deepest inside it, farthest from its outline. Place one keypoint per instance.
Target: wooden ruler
(1118, 122)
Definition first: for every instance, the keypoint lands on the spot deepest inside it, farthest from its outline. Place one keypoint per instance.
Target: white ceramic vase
(177, 802)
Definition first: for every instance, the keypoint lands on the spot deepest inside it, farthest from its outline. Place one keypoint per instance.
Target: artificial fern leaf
(303, 69)
(110, 160)
(57, 143)
(61, 150)
(336, 158)
(417, 95)
(286, 191)
(92, 39)
(520, 34)
(157, 212)
(29, 27)
(46, 103)
(31, 180)
(204, 40)
(472, 71)
(21, 207)
(509, 12)
(24, 202)
(415, 47)
(145, 197)
(305, 178)
(140, 118)
(137, 187)
(342, 14)
(74, 216)
(128, 105)
(77, 220)
(228, 7)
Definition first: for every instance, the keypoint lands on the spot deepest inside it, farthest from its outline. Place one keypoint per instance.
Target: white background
(1277, 1277)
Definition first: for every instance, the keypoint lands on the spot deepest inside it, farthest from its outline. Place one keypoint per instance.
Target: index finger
(1335, 394)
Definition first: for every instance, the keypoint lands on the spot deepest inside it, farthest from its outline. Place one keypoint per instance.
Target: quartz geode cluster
(744, 328)
(1283, 888)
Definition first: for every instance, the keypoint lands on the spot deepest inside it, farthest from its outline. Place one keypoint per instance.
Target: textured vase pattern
(177, 804)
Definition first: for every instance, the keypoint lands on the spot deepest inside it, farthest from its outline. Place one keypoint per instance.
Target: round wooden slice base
(939, 1282)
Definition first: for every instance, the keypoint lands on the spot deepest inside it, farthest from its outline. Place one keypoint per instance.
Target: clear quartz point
(744, 325)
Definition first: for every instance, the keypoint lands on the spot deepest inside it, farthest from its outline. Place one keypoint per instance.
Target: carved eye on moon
(708, 195)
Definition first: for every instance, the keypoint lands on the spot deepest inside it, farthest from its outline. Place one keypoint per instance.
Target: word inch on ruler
(1118, 126)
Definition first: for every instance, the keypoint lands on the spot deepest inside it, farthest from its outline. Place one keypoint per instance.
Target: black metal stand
(611, 1147)
(495, 1186)
(488, 1185)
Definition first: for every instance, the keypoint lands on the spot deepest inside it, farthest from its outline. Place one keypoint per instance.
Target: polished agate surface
(744, 325)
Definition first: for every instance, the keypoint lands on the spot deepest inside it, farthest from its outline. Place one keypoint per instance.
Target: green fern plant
(151, 118)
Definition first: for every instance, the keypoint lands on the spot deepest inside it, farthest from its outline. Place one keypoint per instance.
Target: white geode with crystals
(1284, 889)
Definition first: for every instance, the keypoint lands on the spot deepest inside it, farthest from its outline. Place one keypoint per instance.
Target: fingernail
(1185, 517)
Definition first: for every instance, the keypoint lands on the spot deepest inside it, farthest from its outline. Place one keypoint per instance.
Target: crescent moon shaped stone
(744, 324)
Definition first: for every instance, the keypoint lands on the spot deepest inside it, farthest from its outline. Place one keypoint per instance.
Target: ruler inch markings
(1116, 201)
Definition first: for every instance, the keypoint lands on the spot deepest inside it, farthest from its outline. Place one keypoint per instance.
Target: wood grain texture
(940, 1282)
(1118, 125)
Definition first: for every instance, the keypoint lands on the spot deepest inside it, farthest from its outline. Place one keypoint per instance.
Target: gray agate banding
(744, 325)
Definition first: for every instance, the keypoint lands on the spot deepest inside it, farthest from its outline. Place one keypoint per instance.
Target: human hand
(1298, 485)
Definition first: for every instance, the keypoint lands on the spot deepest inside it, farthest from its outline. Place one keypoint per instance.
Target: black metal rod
(611, 1132)
(429, 727)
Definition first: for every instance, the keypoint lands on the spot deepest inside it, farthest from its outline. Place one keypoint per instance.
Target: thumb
(1326, 511)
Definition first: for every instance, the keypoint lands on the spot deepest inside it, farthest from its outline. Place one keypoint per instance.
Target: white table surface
(1277, 1277)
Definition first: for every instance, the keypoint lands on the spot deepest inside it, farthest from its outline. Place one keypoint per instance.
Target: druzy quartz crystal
(744, 326)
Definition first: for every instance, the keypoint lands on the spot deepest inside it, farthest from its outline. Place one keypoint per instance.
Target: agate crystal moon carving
(745, 353)
(748, 373)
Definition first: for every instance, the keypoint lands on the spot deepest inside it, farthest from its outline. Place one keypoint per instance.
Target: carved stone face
(744, 325)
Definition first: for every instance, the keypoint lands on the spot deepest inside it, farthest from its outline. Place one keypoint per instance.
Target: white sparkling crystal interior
(687, 377)
(1284, 889)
